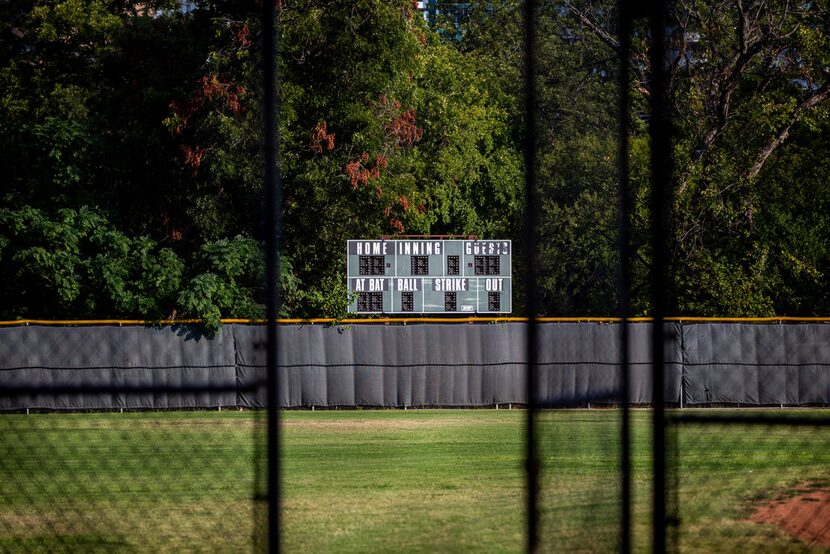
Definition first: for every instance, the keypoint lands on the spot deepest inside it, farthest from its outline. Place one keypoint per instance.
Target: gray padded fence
(111, 367)
(168, 367)
(756, 364)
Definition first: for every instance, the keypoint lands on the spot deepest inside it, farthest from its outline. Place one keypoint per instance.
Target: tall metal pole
(273, 189)
(625, 209)
(531, 244)
(661, 175)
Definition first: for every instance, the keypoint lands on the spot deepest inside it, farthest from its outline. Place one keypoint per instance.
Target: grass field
(385, 480)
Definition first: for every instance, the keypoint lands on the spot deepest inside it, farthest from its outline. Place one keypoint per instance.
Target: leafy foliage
(130, 140)
(749, 105)
(74, 263)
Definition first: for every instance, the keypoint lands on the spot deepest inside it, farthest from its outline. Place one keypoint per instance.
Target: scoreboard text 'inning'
(429, 276)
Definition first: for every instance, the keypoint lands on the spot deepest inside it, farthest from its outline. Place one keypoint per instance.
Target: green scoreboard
(430, 276)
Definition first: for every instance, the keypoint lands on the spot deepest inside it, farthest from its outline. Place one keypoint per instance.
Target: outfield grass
(134, 482)
(385, 480)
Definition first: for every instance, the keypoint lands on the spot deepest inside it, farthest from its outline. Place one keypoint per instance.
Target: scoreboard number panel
(430, 276)
(372, 265)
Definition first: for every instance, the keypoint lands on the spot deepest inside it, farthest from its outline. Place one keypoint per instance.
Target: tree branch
(603, 35)
(783, 134)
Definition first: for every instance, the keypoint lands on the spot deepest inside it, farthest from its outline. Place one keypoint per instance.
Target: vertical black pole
(624, 283)
(531, 244)
(660, 136)
(272, 186)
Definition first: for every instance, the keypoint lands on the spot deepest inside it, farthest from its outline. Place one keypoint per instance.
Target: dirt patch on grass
(805, 515)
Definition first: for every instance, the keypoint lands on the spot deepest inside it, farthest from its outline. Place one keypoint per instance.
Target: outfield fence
(471, 365)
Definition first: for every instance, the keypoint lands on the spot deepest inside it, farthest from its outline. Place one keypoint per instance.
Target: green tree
(150, 119)
(75, 264)
(387, 129)
(746, 78)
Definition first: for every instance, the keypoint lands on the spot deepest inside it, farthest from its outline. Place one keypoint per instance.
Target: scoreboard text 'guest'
(430, 276)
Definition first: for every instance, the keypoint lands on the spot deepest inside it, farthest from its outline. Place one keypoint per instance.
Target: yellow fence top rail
(405, 320)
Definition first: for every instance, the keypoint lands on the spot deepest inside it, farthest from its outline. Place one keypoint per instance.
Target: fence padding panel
(76, 358)
(450, 364)
(757, 364)
(407, 365)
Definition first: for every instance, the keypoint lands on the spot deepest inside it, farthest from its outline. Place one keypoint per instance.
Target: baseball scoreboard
(429, 276)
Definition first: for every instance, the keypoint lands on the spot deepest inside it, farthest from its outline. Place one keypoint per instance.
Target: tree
(745, 78)
(105, 213)
(75, 264)
(150, 119)
(387, 129)
(130, 141)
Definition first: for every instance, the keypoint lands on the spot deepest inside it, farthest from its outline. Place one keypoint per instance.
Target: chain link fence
(133, 480)
(755, 480)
